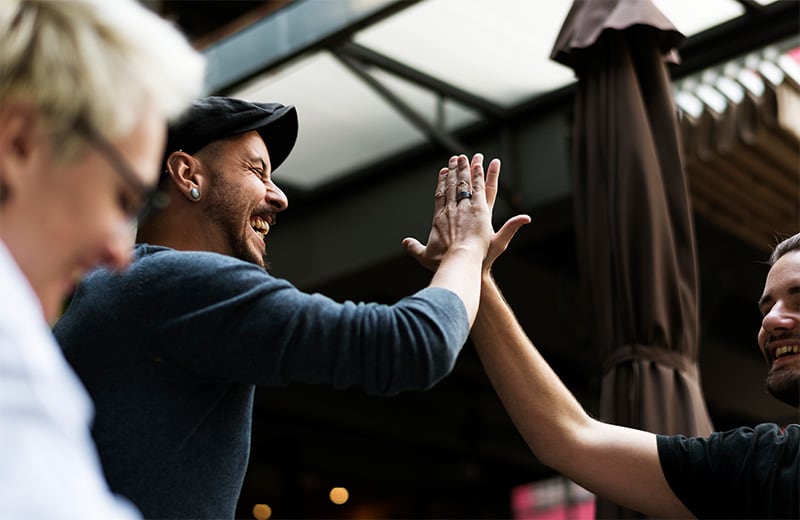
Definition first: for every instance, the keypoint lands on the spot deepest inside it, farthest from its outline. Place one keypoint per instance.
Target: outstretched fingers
(463, 185)
(464, 178)
(440, 196)
(414, 247)
(476, 171)
(487, 181)
(491, 183)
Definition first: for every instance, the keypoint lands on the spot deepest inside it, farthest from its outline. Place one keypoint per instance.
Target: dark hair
(786, 246)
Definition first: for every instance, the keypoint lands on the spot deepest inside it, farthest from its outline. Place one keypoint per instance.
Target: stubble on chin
(784, 386)
(260, 260)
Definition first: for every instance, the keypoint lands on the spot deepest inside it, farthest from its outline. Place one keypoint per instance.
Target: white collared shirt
(49, 466)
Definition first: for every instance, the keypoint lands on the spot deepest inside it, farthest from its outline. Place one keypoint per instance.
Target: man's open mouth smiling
(259, 225)
(786, 350)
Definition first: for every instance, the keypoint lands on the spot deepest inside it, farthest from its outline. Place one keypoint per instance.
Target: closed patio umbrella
(634, 229)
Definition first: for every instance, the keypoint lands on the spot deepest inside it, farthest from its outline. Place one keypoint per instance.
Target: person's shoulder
(172, 269)
(149, 256)
(737, 434)
(779, 432)
(766, 429)
(764, 434)
(164, 253)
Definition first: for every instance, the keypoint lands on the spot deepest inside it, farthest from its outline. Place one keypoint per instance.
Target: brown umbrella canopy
(634, 228)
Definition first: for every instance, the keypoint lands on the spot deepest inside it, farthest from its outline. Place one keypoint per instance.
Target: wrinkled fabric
(633, 221)
(171, 351)
(741, 473)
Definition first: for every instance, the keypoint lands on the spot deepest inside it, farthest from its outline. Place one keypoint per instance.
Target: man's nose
(276, 198)
(778, 318)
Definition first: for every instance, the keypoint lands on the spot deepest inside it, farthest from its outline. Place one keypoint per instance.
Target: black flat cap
(213, 118)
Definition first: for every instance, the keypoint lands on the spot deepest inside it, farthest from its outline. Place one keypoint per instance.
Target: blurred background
(386, 91)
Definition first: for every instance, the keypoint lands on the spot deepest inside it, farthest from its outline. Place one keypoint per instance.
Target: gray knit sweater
(171, 349)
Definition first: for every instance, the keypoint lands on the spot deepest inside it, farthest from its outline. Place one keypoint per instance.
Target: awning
(740, 128)
(633, 222)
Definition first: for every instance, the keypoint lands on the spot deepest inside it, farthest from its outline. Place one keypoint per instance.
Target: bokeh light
(262, 511)
(339, 495)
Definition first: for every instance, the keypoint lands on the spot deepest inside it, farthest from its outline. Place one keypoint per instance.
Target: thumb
(510, 228)
(413, 247)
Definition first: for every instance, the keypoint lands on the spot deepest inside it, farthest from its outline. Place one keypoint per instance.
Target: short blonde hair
(94, 62)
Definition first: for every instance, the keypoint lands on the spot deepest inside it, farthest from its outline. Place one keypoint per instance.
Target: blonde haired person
(86, 90)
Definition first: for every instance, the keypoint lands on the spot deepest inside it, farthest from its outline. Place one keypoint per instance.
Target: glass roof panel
(498, 50)
(695, 16)
(449, 115)
(344, 124)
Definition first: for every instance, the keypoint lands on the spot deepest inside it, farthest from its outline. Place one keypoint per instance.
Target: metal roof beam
(448, 90)
(445, 139)
(297, 28)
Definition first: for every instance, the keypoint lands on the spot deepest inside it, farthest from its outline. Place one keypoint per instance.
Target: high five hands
(463, 204)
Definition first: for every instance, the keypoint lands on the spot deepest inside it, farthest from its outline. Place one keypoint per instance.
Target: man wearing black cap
(171, 349)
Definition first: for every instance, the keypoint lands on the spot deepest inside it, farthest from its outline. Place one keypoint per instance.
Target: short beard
(221, 201)
(784, 387)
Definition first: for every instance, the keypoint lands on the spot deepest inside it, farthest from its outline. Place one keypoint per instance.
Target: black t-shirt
(741, 473)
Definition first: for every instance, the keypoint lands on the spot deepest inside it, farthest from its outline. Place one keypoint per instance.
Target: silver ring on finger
(463, 195)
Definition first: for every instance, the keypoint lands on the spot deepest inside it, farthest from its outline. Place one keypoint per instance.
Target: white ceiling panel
(694, 16)
(498, 50)
(344, 124)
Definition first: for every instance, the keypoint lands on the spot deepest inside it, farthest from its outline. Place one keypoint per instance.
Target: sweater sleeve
(231, 319)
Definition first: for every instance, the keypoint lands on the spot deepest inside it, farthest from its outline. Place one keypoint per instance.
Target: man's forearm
(459, 272)
(542, 408)
(620, 464)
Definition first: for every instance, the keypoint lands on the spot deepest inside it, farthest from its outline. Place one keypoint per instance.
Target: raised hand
(500, 240)
(461, 215)
(452, 207)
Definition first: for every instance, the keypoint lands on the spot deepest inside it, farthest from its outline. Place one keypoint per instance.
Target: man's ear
(20, 143)
(186, 175)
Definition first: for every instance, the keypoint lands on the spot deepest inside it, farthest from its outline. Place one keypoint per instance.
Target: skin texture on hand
(462, 244)
(484, 187)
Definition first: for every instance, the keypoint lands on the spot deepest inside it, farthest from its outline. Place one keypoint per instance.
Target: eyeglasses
(151, 199)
